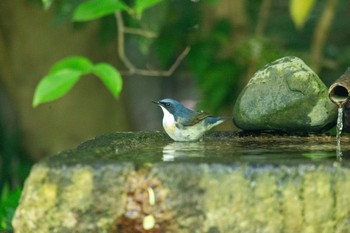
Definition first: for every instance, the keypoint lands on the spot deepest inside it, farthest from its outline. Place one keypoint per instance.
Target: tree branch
(263, 17)
(121, 43)
(133, 70)
(140, 32)
(320, 35)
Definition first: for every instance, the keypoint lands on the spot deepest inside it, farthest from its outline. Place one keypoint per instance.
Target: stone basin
(229, 182)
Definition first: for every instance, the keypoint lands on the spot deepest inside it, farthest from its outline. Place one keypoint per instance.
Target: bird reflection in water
(178, 151)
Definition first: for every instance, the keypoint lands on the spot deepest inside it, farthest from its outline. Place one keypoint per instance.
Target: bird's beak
(156, 102)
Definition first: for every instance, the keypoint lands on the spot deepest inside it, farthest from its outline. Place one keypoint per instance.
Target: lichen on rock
(285, 95)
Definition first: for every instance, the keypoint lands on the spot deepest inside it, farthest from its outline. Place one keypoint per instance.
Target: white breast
(168, 118)
(190, 133)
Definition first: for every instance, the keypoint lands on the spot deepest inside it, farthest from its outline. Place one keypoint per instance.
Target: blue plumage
(213, 120)
(183, 124)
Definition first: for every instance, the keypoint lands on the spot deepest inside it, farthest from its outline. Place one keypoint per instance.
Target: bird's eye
(167, 104)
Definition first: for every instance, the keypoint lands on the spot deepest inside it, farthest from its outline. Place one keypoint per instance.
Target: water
(339, 131)
(339, 124)
(149, 148)
(260, 149)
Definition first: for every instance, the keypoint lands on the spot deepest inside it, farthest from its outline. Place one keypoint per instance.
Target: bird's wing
(193, 119)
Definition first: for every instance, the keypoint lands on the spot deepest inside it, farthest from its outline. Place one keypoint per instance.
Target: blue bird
(183, 124)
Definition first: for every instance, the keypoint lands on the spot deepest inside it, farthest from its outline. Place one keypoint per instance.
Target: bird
(183, 124)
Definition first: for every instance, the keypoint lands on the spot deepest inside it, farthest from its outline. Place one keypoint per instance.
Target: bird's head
(170, 105)
(174, 108)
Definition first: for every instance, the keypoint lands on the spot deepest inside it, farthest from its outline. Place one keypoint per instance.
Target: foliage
(214, 68)
(300, 10)
(318, 155)
(142, 5)
(219, 66)
(217, 75)
(95, 9)
(64, 74)
(14, 163)
(8, 204)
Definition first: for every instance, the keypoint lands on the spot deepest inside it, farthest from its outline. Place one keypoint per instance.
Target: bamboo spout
(339, 91)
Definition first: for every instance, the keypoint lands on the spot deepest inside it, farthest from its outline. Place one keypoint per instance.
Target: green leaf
(94, 9)
(300, 10)
(47, 3)
(142, 5)
(110, 77)
(318, 155)
(8, 204)
(80, 64)
(54, 86)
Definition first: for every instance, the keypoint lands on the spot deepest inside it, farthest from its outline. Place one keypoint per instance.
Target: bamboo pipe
(339, 91)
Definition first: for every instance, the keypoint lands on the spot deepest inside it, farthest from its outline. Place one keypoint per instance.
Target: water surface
(253, 149)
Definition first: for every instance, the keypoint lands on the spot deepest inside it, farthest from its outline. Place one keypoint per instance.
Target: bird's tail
(214, 121)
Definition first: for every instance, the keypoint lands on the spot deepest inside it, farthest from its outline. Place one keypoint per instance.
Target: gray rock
(285, 95)
(118, 183)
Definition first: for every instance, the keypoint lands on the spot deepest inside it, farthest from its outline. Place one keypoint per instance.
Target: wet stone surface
(286, 96)
(229, 182)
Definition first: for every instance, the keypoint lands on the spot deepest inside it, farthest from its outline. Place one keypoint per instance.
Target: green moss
(342, 200)
(264, 194)
(292, 210)
(286, 96)
(318, 201)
